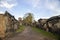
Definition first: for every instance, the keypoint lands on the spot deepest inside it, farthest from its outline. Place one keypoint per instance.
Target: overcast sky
(40, 8)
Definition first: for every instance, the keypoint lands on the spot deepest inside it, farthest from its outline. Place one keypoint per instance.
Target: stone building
(50, 25)
(42, 23)
(8, 24)
(53, 24)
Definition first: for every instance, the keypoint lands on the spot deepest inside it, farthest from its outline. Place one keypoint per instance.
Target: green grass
(47, 34)
(21, 28)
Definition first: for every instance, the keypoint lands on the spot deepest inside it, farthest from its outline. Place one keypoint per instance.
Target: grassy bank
(44, 33)
(21, 28)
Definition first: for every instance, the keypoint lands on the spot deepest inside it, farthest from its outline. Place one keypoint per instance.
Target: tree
(28, 18)
(20, 20)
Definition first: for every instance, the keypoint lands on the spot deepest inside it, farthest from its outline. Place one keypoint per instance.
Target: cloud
(33, 3)
(6, 4)
(53, 6)
(48, 4)
(1, 12)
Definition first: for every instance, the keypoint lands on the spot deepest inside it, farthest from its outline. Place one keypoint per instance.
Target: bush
(21, 28)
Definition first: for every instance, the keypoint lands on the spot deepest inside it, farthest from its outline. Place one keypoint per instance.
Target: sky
(39, 8)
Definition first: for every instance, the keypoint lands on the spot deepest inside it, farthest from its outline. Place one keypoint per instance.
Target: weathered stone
(8, 24)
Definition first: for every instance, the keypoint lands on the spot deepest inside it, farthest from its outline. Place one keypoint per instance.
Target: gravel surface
(28, 34)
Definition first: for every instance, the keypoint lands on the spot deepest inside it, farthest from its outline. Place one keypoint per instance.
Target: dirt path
(28, 34)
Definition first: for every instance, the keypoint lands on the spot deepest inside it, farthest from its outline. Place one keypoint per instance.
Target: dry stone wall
(8, 25)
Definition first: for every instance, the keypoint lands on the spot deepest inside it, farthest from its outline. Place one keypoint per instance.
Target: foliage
(28, 18)
(47, 34)
(21, 28)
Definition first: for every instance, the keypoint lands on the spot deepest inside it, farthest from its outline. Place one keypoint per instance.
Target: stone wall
(51, 25)
(2, 25)
(54, 24)
(8, 25)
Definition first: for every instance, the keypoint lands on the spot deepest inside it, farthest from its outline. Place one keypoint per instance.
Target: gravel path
(28, 34)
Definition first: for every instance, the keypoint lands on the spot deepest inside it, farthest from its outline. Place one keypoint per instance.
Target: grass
(21, 28)
(47, 34)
